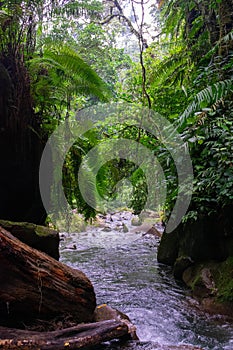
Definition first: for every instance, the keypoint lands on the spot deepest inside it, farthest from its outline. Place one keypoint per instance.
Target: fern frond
(170, 70)
(228, 37)
(174, 15)
(75, 68)
(225, 39)
(68, 65)
(210, 95)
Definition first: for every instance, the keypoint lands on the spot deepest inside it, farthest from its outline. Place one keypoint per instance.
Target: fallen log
(77, 337)
(34, 285)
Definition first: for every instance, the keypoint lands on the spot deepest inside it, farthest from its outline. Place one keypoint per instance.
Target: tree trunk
(20, 144)
(36, 286)
(77, 337)
(226, 25)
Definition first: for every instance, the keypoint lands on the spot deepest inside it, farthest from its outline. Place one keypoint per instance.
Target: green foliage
(189, 79)
(74, 62)
(98, 48)
(206, 99)
(140, 192)
(206, 122)
(61, 75)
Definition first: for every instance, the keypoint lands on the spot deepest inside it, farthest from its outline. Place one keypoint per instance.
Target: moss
(224, 280)
(38, 237)
(222, 275)
(197, 280)
(27, 227)
(42, 231)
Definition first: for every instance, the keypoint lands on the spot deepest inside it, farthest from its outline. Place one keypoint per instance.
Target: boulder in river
(105, 312)
(136, 221)
(153, 232)
(202, 240)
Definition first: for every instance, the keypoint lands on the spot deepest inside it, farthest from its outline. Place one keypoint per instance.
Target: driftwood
(77, 337)
(34, 285)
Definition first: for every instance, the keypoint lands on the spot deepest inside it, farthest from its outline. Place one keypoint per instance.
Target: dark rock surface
(202, 255)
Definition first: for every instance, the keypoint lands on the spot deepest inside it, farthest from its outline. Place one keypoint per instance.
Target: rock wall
(201, 251)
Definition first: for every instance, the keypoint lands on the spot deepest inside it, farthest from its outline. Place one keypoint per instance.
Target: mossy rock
(136, 221)
(224, 280)
(39, 237)
(74, 223)
(201, 240)
(201, 280)
(212, 281)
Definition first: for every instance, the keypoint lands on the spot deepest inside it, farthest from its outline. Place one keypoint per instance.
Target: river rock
(153, 232)
(104, 312)
(71, 247)
(136, 221)
(207, 238)
(39, 237)
(107, 229)
(208, 241)
(212, 285)
(168, 250)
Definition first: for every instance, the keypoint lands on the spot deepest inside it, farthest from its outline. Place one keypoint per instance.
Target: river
(126, 275)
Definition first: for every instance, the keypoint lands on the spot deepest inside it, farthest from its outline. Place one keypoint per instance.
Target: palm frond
(3, 16)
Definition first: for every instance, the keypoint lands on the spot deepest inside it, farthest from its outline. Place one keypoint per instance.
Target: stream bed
(125, 273)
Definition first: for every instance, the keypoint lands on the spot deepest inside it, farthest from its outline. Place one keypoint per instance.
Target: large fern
(171, 70)
(67, 73)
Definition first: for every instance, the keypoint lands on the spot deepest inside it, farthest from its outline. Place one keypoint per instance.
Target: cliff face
(201, 254)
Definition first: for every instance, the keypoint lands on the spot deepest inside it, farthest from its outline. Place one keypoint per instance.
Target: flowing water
(126, 275)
